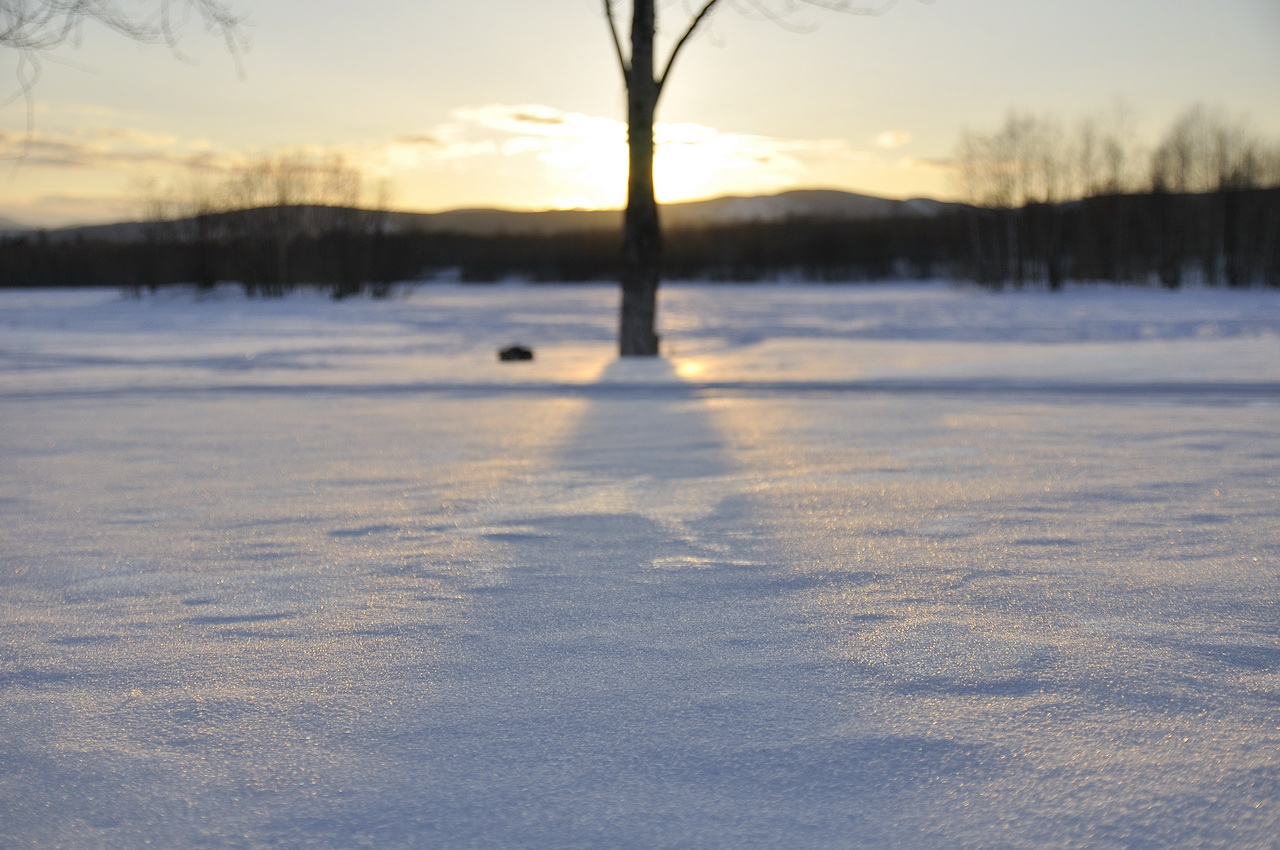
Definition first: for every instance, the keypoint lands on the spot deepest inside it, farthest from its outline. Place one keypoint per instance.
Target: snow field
(853, 567)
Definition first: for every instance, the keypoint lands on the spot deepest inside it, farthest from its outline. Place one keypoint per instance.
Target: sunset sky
(517, 104)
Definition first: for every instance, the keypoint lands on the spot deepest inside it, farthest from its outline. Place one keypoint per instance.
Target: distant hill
(489, 222)
(802, 203)
(8, 225)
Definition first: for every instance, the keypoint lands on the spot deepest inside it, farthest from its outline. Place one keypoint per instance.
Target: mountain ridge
(727, 209)
(487, 221)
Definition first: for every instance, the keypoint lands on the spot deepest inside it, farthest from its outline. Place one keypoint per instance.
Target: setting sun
(692, 162)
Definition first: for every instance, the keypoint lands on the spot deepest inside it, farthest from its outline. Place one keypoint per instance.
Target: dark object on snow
(515, 352)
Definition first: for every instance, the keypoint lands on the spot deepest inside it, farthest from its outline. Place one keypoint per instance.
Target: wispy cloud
(100, 148)
(57, 210)
(424, 139)
(893, 139)
(538, 121)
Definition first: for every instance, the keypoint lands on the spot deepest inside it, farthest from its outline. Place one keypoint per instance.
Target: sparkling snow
(890, 566)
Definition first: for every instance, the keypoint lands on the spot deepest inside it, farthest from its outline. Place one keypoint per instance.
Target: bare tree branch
(780, 13)
(764, 10)
(623, 62)
(680, 43)
(41, 25)
(761, 10)
(34, 28)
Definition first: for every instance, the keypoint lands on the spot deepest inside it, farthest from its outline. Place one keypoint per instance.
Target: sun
(591, 172)
(692, 161)
(578, 161)
(685, 166)
(695, 161)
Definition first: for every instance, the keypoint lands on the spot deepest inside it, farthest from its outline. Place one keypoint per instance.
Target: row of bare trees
(1052, 201)
(289, 197)
(375, 249)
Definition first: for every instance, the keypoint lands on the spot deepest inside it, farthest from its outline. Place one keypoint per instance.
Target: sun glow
(581, 160)
(690, 369)
(696, 161)
(692, 161)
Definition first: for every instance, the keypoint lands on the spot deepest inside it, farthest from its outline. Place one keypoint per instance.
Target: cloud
(535, 120)
(893, 139)
(939, 164)
(424, 139)
(135, 138)
(100, 149)
(62, 210)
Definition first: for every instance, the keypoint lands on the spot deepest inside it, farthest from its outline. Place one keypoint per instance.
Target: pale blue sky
(428, 96)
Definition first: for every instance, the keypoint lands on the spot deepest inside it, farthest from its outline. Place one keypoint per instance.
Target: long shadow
(644, 421)
(641, 679)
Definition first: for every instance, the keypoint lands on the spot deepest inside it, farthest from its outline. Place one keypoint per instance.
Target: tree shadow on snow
(646, 678)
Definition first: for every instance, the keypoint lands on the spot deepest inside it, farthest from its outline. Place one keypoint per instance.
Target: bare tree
(1106, 169)
(998, 172)
(280, 201)
(1202, 200)
(301, 196)
(645, 74)
(35, 28)
(1209, 153)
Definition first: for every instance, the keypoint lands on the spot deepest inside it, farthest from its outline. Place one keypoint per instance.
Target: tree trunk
(642, 232)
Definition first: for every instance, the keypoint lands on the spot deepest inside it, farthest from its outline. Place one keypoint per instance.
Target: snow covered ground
(906, 566)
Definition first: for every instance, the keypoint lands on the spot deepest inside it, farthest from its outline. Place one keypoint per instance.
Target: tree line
(347, 251)
(1049, 202)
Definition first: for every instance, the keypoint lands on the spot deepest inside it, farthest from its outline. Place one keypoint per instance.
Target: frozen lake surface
(904, 566)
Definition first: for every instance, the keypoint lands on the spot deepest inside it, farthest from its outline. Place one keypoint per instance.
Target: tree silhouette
(33, 28)
(645, 75)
